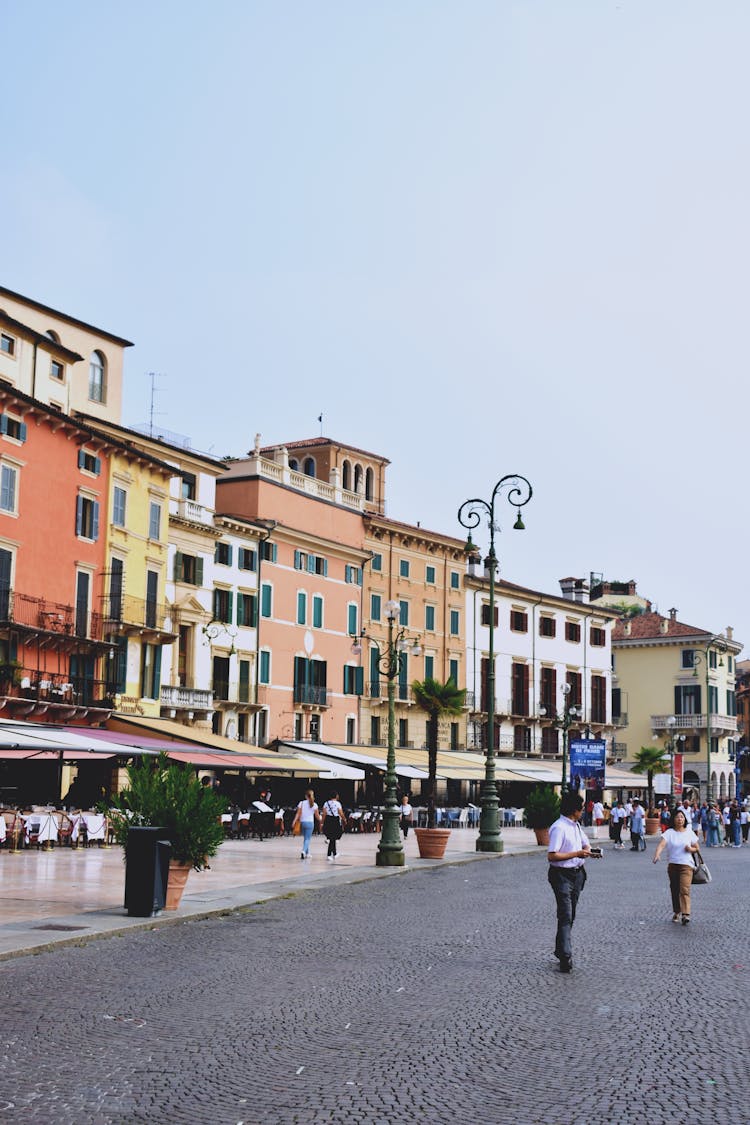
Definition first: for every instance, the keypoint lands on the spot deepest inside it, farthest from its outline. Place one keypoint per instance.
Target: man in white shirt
(597, 815)
(567, 852)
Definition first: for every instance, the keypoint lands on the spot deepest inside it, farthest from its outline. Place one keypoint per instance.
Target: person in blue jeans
(712, 824)
(306, 816)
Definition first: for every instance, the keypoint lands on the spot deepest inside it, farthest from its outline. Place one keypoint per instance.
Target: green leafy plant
(436, 699)
(650, 760)
(542, 807)
(168, 795)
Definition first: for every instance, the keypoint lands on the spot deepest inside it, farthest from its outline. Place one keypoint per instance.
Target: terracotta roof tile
(647, 626)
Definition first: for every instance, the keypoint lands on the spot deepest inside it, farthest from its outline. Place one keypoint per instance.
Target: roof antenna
(320, 419)
(153, 376)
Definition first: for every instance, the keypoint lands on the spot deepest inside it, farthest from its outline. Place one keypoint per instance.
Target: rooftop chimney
(673, 615)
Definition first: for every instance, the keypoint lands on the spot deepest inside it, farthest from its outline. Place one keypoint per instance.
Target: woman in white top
(681, 842)
(305, 816)
(334, 822)
(407, 815)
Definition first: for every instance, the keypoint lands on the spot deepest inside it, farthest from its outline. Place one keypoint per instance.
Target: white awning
(329, 771)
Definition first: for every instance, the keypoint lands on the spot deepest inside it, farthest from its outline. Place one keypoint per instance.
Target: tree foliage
(436, 699)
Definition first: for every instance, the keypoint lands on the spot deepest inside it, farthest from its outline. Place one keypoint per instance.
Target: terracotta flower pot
(542, 836)
(178, 873)
(432, 842)
(652, 826)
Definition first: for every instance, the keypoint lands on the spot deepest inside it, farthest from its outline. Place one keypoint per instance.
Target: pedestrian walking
(568, 850)
(597, 814)
(744, 823)
(680, 842)
(713, 820)
(406, 815)
(306, 816)
(618, 820)
(637, 822)
(334, 823)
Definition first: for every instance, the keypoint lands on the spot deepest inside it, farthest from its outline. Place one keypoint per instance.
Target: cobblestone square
(432, 996)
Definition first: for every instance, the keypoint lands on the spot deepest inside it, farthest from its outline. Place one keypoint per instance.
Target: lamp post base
(389, 856)
(490, 843)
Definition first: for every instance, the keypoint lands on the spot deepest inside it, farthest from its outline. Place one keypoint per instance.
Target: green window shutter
(95, 520)
(157, 671)
(317, 613)
(98, 466)
(352, 620)
(265, 601)
(177, 566)
(4, 430)
(22, 431)
(215, 613)
(216, 552)
(230, 599)
(199, 572)
(359, 681)
(301, 608)
(240, 608)
(325, 568)
(79, 514)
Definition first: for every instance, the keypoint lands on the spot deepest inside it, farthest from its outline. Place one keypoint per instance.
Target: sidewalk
(65, 896)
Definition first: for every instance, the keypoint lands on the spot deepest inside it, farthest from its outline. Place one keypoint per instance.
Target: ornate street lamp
(571, 713)
(390, 661)
(470, 515)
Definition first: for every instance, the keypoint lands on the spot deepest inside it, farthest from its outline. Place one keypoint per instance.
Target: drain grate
(54, 926)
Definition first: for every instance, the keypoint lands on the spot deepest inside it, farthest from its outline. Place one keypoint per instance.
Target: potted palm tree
(168, 795)
(541, 810)
(650, 760)
(435, 699)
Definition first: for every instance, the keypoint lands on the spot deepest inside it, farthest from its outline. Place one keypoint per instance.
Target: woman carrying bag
(681, 842)
(305, 817)
(334, 823)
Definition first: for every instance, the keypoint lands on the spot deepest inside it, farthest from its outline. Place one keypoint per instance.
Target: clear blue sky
(480, 237)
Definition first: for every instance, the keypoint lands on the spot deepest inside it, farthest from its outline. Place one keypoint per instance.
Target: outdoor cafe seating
(43, 828)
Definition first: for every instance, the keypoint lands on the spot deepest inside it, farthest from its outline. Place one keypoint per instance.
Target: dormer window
(89, 463)
(97, 383)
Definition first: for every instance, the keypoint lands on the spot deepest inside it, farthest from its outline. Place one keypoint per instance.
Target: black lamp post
(470, 515)
(390, 660)
(571, 713)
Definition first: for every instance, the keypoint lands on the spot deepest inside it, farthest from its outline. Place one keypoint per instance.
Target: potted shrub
(168, 795)
(650, 760)
(436, 699)
(542, 810)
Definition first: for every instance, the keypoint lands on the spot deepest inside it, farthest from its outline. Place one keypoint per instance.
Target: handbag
(701, 874)
(296, 828)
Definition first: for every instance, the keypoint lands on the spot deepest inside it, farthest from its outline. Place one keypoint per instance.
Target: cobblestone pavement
(430, 997)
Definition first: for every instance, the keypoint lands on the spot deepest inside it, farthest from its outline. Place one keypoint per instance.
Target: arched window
(369, 484)
(357, 478)
(294, 464)
(52, 335)
(309, 468)
(97, 383)
(346, 476)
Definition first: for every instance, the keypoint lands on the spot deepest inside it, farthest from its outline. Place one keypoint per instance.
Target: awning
(623, 779)
(330, 771)
(12, 755)
(355, 758)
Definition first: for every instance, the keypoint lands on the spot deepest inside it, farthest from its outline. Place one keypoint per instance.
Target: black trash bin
(146, 871)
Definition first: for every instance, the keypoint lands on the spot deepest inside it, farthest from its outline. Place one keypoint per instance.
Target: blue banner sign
(587, 762)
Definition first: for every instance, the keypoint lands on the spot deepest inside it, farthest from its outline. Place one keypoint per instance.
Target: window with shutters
(150, 671)
(519, 621)
(152, 590)
(223, 605)
(353, 680)
(353, 575)
(89, 463)
(247, 609)
(455, 622)
(455, 580)
(223, 554)
(485, 614)
(244, 684)
(118, 664)
(375, 730)
(154, 520)
(268, 551)
(429, 575)
(97, 378)
(6, 575)
(57, 370)
(300, 560)
(429, 667)
(83, 594)
(7, 344)
(547, 627)
(188, 486)
(522, 740)
(572, 631)
(598, 637)
(301, 607)
(8, 488)
(119, 502)
(598, 699)
(574, 681)
(188, 569)
(550, 740)
(403, 613)
(375, 607)
(87, 518)
(403, 568)
(264, 668)
(713, 699)
(317, 611)
(429, 618)
(548, 690)
(12, 427)
(266, 600)
(520, 689)
(352, 626)
(376, 562)
(453, 666)
(246, 559)
(687, 699)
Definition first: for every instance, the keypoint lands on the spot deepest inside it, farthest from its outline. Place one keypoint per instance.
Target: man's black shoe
(565, 964)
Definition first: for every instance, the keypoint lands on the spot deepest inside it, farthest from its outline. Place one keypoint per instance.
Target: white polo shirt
(566, 835)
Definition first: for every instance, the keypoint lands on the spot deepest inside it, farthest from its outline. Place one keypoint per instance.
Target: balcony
(181, 697)
(377, 691)
(231, 695)
(692, 724)
(620, 720)
(309, 695)
(55, 695)
(123, 613)
(54, 624)
(190, 512)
